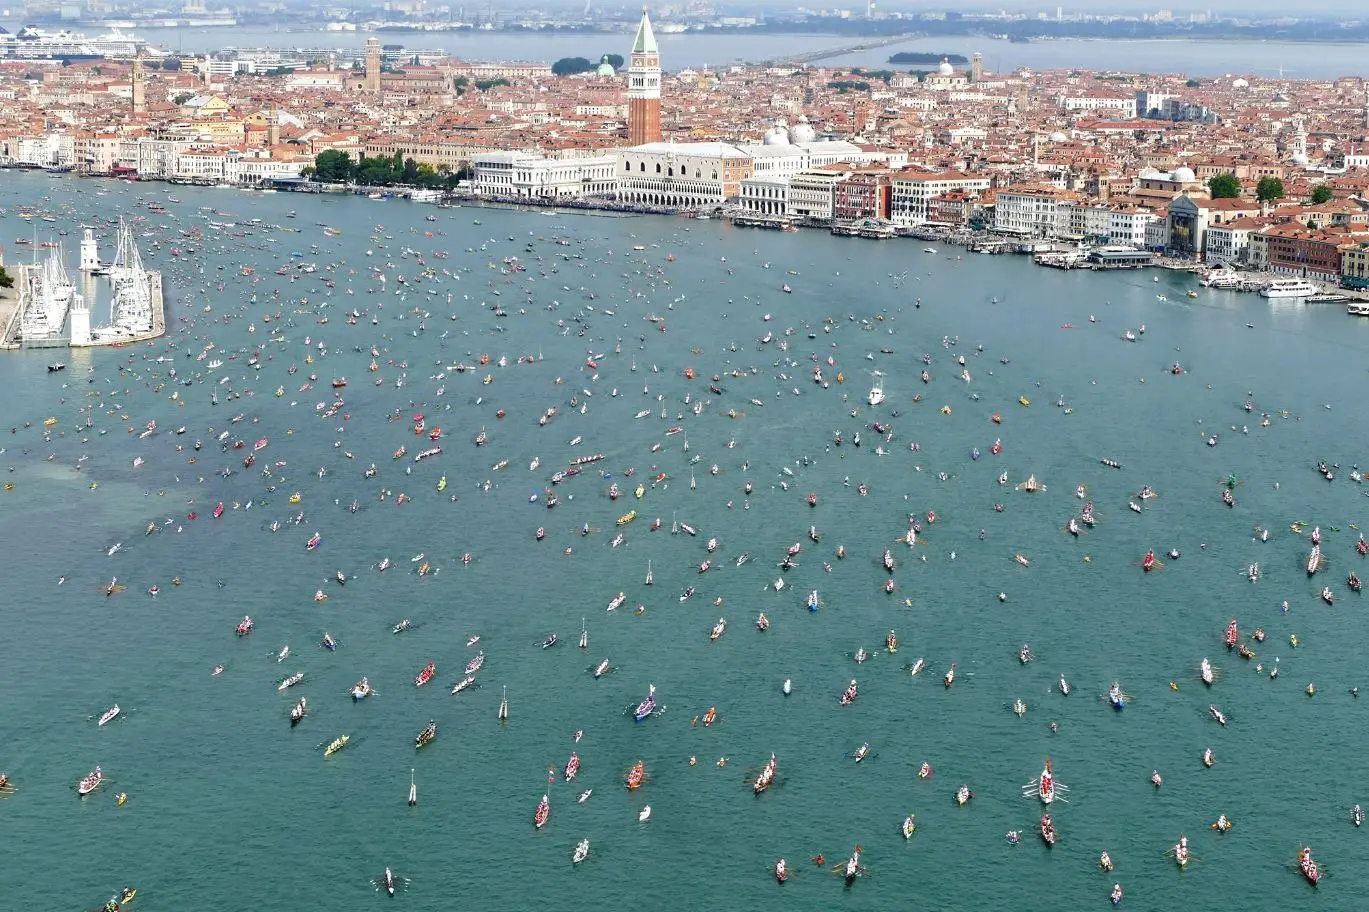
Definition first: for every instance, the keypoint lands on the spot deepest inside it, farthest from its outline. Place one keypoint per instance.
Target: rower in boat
(1105, 862)
(1116, 896)
(848, 696)
(781, 871)
(1222, 824)
(963, 795)
(909, 826)
(426, 735)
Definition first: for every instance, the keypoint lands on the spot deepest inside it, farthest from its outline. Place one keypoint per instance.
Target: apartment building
(910, 192)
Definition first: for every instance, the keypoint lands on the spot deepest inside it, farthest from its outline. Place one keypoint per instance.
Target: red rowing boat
(425, 675)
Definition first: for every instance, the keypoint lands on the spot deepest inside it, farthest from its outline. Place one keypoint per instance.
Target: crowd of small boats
(887, 565)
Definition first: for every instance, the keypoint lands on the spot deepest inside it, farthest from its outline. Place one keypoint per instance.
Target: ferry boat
(1289, 288)
(876, 395)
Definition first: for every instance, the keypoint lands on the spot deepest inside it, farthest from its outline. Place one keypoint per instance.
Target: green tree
(1269, 189)
(484, 85)
(1321, 194)
(1224, 186)
(182, 97)
(333, 166)
(6, 281)
(460, 83)
(409, 173)
(615, 60)
(569, 66)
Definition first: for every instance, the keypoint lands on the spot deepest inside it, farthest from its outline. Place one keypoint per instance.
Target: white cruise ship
(35, 44)
(1289, 288)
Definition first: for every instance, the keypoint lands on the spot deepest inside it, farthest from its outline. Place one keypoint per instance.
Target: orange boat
(635, 776)
(711, 716)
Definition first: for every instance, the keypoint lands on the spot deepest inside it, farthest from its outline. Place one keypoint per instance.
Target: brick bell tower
(644, 87)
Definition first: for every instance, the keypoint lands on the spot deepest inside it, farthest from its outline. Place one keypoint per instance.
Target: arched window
(642, 168)
(658, 167)
(715, 175)
(627, 166)
(670, 172)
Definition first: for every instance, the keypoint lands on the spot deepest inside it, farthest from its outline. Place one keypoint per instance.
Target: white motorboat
(876, 395)
(1289, 288)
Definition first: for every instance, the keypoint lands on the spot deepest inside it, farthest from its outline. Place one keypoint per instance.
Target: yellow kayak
(1024, 400)
(627, 517)
(336, 746)
(641, 489)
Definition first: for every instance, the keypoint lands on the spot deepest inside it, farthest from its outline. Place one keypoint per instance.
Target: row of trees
(1269, 189)
(335, 167)
(572, 66)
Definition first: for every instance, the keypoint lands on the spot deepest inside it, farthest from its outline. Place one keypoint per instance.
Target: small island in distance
(924, 57)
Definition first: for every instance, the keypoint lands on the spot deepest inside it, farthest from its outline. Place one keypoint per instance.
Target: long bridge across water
(828, 53)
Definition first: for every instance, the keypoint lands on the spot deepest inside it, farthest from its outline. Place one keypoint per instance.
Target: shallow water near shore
(231, 808)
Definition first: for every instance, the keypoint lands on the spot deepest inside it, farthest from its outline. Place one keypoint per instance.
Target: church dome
(946, 69)
(777, 135)
(1058, 137)
(802, 131)
(1240, 83)
(1184, 176)
(605, 68)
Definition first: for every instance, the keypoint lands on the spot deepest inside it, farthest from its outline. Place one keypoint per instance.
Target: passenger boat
(909, 826)
(90, 782)
(766, 776)
(335, 745)
(109, 715)
(848, 696)
(425, 675)
(291, 681)
(426, 734)
(1047, 830)
(635, 776)
(539, 818)
(1309, 869)
(581, 851)
(297, 712)
(647, 706)
(475, 663)
(963, 795)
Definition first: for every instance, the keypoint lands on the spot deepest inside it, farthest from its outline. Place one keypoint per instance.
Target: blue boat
(647, 706)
